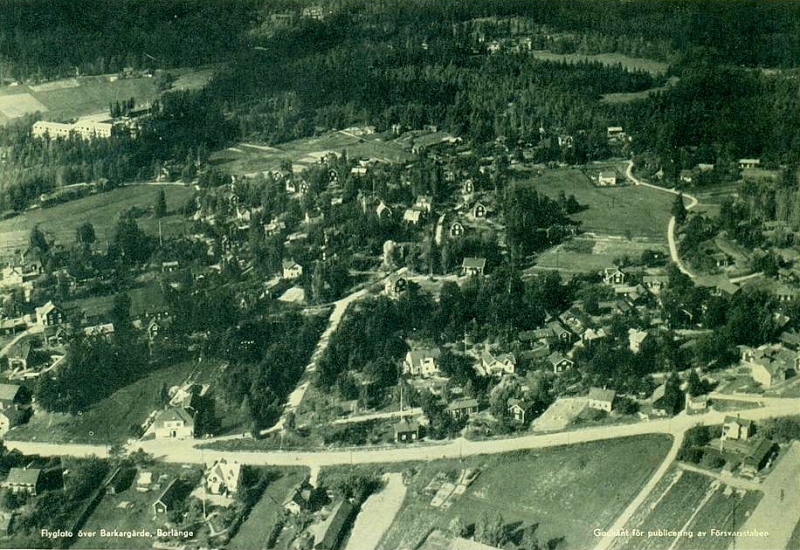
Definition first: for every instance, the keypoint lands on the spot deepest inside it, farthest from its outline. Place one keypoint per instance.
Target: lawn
(253, 533)
(101, 210)
(109, 419)
(656, 68)
(690, 502)
(623, 210)
(145, 298)
(569, 491)
(582, 254)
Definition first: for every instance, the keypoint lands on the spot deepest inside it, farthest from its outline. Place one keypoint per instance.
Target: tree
(85, 234)
(160, 207)
(38, 241)
(490, 531)
(457, 527)
(695, 385)
(679, 209)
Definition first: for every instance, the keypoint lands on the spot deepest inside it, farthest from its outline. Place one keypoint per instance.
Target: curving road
(673, 247)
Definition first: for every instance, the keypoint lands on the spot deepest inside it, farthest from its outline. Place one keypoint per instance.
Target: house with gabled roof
(737, 428)
(13, 396)
(478, 211)
(473, 267)
(406, 431)
(174, 423)
(601, 399)
(175, 492)
(412, 216)
(23, 480)
(462, 408)
(614, 276)
(223, 477)
(559, 363)
(395, 286)
(421, 362)
(50, 314)
(498, 365)
(300, 498)
(291, 269)
(520, 409)
(771, 363)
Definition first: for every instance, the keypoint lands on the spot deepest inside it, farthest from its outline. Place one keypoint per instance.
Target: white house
(223, 477)
(421, 362)
(291, 269)
(601, 399)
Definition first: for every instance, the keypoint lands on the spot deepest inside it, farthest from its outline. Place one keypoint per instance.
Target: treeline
(42, 40)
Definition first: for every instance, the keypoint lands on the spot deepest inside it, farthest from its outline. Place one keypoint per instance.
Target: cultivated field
(110, 419)
(621, 210)
(101, 210)
(251, 159)
(568, 491)
(692, 503)
(651, 66)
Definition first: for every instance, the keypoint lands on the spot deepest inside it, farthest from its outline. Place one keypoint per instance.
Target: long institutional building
(86, 129)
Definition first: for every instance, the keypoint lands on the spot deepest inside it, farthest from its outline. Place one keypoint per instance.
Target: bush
(712, 460)
(691, 454)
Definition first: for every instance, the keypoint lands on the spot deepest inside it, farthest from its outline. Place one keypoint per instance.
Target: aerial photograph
(400, 274)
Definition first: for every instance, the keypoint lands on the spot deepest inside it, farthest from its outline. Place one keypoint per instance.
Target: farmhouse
(223, 477)
(559, 362)
(462, 408)
(291, 269)
(473, 266)
(406, 431)
(421, 362)
(23, 480)
(607, 177)
(50, 315)
(771, 363)
(174, 423)
(497, 365)
(520, 409)
(601, 399)
(737, 429)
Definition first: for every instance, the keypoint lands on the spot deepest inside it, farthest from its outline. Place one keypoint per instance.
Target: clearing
(101, 210)
(655, 68)
(626, 210)
(569, 491)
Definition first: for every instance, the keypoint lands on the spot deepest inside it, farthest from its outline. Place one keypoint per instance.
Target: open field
(256, 528)
(568, 491)
(110, 419)
(622, 210)
(144, 299)
(627, 97)
(651, 66)
(693, 503)
(101, 210)
(250, 159)
(73, 97)
(587, 253)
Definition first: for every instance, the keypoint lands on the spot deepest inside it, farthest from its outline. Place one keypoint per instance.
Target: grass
(252, 158)
(263, 517)
(689, 503)
(794, 540)
(656, 68)
(581, 254)
(108, 420)
(101, 210)
(568, 491)
(623, 210)
(724, 405)
(144, 298)
(628, 97)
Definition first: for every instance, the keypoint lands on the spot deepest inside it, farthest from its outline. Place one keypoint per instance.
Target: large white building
(86, 129)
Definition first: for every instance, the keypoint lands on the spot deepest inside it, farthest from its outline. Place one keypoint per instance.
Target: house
(655, 283)
(745, 164)
(6, 519)
(174, 423)
(559, 362)
(155, 328)
(758, 458)
(607, 177)
(721, 259)
(614, 132)
(657, 403)
(10, 418)
(12, 326)
(456, 229)
(406, 431)
(771, 363)
(497, 365)
(169, 267)
(696, 405)
(104, 331)
(273, 228)
(520, 409)
(786, 294)
(23, 481)
(56, 336)
(591, 335)
(383, 211)
(175, 492)
(462, 408)
(299, 498)
(736, 428)
(14, 397)
(144, 481)
(412, 216)
(224, 477)
(791, 340)
(478, 211)
(636, 338)
(291, 269)
(50, 315)
(333, 527)
(421, 362)
(473, 266)
(395, 286)
(19, 355)
(601, 399)
(424, 203)
(613, 276)
(559, 333)
(467, 187)
(685, 176)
